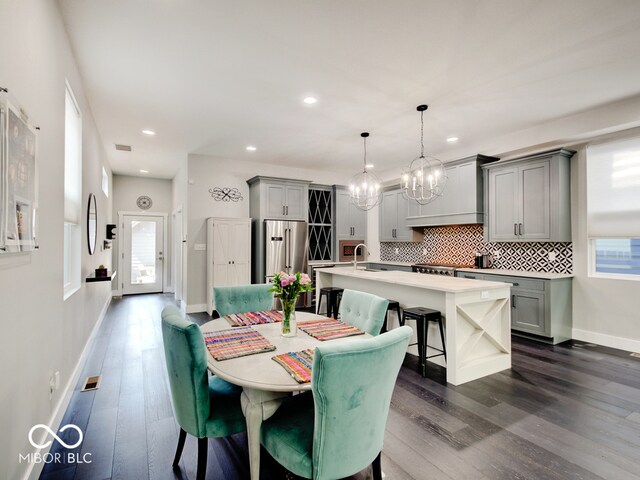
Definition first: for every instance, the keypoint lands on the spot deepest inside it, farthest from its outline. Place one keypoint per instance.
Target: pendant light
(425, 178)
(365, 186)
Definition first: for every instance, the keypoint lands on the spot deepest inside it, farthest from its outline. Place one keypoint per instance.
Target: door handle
(513, 301)
(287, 209)
(519, 229)
(283, 210)
(515, 229)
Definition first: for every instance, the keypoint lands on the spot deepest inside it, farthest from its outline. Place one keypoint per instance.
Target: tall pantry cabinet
(228, 254)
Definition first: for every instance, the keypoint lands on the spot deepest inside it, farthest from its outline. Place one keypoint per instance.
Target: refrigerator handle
(286, 250)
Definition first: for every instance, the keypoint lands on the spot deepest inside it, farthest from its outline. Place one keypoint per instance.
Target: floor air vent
(91, 383)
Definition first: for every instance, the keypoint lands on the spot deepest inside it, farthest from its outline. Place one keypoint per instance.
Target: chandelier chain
(422, 134)
(365, 154)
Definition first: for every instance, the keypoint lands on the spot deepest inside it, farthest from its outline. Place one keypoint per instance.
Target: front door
(143, 254)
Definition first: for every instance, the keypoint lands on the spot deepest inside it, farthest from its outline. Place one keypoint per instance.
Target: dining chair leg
(181, 440)
(203, 445)
(377, 467)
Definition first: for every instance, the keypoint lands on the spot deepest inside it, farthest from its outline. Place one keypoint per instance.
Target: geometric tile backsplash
(457, 245)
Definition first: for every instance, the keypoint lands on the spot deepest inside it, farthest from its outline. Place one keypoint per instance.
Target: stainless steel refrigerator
(286, 249)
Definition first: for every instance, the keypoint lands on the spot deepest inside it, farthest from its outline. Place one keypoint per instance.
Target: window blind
(72, 160)
(613, 189)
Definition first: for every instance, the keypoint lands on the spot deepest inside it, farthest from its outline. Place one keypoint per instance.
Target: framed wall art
(18, 178)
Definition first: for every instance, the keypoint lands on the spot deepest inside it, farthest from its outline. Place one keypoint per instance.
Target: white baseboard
(34, 471)
(620, 343)
(196, 308)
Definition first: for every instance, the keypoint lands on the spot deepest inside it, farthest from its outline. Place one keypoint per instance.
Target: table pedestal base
(257, 406)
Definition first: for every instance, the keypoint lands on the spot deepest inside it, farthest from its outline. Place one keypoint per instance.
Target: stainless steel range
(434, 269)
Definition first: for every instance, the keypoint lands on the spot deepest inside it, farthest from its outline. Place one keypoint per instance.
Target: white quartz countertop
(419, 280)
(517, 273)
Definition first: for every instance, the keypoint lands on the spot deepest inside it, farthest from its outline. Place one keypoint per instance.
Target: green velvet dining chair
(243, 298)
(205, 407)
(339, 429)
(363, 310)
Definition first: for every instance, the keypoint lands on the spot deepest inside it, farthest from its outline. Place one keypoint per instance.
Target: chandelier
(365, 186)
(425, 178)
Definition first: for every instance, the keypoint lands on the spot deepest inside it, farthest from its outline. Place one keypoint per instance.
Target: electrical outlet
(496, 254)
(397, 251)
(552, 256)
(200, 247)
(424, 251)
(56, 380)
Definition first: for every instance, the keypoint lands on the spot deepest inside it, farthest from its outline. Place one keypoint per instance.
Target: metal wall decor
(18, 178)
(144, 202)
(225, 194)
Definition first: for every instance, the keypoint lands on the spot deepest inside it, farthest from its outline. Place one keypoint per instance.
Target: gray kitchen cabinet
(279, 198)
(393, 215)
(540, 308)
(389, 267)
(529, 198)
(462, 201)
(351, 222)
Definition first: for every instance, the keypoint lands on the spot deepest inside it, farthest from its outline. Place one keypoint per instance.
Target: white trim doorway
(177, 258)
(121, 247)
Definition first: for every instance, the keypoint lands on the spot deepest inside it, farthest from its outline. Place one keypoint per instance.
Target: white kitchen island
(476, 314)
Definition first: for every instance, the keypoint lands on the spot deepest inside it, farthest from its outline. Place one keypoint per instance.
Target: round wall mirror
(92, 223)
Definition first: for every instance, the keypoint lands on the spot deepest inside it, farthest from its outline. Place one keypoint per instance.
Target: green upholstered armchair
(363, 310)
(243, 298)
(204, 407)
(339, 430)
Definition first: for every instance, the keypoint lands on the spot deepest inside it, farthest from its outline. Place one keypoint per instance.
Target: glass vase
(289, 326)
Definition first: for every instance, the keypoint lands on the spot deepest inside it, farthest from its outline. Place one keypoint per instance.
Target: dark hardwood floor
(569, 411)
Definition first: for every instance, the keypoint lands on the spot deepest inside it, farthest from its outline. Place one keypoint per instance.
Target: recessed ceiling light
(144, 171)
(251, 148)
(452, 139)
(310, 100)
(369, 165)
(148, 132)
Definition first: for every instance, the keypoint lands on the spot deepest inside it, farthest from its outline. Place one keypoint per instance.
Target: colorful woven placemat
(328, 329)
(297, 364)
(236, 342)
(253, 318)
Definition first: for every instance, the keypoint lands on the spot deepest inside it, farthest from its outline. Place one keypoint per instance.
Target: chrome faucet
(355, 254)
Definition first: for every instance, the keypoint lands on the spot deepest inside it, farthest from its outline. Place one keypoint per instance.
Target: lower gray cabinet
(540, 308)
(527, 312)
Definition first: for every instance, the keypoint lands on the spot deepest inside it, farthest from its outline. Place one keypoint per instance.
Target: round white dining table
(265, 383)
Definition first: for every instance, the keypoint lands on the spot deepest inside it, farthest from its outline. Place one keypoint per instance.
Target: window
(613, 209)
(72, 194)
(105, 182)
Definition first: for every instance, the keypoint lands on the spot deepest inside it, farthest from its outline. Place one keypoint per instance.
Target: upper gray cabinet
(393, 215)
(529, 198)
(462, 199)
(279, 198)
(351, 222)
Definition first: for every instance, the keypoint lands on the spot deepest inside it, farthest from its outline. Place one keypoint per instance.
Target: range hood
(462, 201)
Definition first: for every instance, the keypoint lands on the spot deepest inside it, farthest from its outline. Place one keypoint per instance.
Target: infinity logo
(53, 434)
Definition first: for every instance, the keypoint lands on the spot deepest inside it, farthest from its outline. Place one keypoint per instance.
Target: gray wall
(40, 333)
(126, 190)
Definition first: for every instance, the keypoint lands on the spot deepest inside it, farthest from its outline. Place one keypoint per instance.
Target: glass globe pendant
(365, 187)
(425, 178)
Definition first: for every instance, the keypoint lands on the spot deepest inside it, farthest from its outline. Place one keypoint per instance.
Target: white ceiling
(211, 77)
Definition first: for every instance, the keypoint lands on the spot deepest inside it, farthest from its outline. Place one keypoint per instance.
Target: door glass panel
(143, 252)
